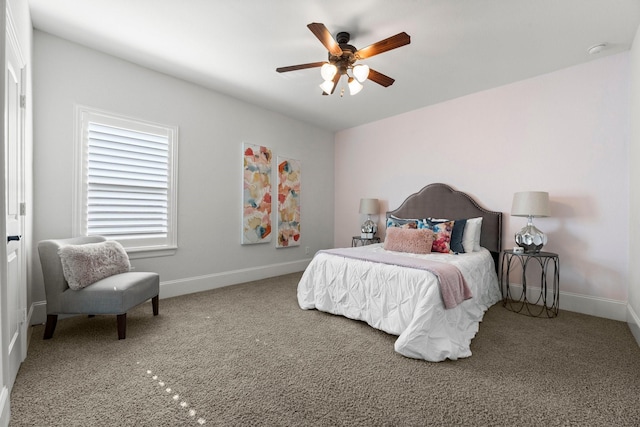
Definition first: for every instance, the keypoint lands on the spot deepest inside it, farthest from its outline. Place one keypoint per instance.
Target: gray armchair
(116, 294)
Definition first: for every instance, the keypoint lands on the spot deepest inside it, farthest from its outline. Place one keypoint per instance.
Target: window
(126, 188)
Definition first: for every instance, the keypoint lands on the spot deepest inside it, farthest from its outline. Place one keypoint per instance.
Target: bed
(400, 297)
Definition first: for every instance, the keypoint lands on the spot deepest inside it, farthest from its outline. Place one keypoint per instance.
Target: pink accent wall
(566, 132)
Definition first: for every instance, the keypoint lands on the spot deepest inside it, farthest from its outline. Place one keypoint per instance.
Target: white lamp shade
(530, 203)
(369, 206)
(328, 71)
(327, 86)
(361, 72)
(354, 86)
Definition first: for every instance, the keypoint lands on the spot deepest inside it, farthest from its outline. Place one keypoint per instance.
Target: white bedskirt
(404, 301)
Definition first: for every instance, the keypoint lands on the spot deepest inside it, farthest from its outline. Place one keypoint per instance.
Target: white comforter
(404, 301)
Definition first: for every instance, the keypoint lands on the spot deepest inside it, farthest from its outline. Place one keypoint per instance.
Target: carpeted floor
(248, 355)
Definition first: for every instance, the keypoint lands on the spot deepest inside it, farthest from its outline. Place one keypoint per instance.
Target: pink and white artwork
(288, 202)
(256, 211)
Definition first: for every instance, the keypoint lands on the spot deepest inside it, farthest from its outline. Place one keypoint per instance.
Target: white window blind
(126, 188)
(127, 180)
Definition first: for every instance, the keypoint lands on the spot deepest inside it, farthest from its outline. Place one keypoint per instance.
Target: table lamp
(530, 204)
(368, 207)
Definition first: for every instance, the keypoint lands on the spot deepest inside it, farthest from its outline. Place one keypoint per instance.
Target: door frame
(13, 54)
(8, 35)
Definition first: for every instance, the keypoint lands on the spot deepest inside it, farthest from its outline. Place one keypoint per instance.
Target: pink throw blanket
(453, 286)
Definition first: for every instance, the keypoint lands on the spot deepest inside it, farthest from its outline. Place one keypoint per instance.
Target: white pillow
(83, 265)
(471, 235)
(476, 238)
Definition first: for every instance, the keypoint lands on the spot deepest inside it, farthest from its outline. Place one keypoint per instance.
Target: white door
(15, 304)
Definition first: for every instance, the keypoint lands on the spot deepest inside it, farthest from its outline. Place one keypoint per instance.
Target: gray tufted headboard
(442, 201)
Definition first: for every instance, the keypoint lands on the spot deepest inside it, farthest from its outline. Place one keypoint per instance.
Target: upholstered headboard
(442, 201)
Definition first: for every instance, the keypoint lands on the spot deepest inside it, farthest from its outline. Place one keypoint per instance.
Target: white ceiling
(457, 47)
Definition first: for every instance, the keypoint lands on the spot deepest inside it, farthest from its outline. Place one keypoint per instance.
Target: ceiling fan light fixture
(342, 57)
(354, 86)
(328, 71)
(361, 72)
(327, 86)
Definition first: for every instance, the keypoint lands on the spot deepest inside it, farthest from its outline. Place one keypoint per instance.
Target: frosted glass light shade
(354, 86)
(328, 71)
(361, 72)
(327, 86)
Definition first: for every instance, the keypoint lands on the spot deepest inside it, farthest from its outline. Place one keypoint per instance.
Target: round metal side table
(531, 303)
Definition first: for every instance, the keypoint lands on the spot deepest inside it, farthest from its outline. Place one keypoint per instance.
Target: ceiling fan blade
(325, 37)
(385, 45)
(300, 66)
(336, 79)
(380, 78)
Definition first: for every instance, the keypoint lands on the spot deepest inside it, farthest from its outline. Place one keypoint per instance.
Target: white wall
(633, 315)
(212, 128)
(565, 132)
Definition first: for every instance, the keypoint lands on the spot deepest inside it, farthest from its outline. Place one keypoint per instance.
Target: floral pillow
(457, 234)
(441, 236)
(393, 221)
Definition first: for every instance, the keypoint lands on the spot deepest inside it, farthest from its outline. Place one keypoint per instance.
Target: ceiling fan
(343, 57)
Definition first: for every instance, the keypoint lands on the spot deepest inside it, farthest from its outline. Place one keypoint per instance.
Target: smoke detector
(596, 49)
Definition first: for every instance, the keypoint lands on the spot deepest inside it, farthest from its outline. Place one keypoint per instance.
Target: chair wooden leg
(155, 301)
(122, 326)
(50, 327)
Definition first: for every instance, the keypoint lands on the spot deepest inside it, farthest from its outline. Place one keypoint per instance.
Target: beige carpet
(248, 355)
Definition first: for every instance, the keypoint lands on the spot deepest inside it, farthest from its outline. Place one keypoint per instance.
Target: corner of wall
(633, 307)
(634, 323)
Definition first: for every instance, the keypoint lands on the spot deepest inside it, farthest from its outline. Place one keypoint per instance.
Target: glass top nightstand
(363, 241)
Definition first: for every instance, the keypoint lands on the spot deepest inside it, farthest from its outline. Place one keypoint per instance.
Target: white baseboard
(189, 285)
(634, 323)
(600, 307)
(37, 313)
(593, 306)
(5, 410)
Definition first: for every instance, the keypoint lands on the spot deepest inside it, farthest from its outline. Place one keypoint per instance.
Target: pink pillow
(417, 241)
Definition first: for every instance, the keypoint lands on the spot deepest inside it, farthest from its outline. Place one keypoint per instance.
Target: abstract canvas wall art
(256, 211)
(288, 202)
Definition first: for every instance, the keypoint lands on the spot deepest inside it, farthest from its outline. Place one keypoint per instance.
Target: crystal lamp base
(369, 229)
(531, 239)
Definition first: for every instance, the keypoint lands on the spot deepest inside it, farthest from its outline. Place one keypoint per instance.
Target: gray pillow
(83, 265)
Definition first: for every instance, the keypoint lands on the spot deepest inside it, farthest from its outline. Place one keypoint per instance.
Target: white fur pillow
(83, 265)
(416, 241)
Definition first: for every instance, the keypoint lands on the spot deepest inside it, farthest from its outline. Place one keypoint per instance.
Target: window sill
(139, 253)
